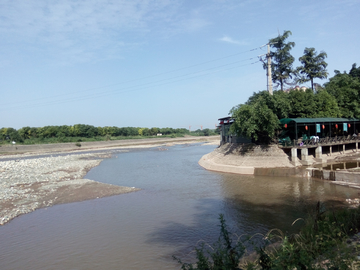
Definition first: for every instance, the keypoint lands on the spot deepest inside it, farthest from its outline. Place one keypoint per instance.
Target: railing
(319, 141)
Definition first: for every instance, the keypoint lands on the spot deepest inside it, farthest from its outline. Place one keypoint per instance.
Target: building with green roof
(295, 128)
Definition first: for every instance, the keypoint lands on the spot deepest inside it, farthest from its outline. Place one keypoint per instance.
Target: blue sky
(153, 63)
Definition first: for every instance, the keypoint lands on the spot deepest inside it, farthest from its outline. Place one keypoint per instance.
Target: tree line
(80, 132)
(259, 117)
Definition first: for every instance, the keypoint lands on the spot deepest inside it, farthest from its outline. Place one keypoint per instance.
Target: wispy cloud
(70, 27)
(232, 41)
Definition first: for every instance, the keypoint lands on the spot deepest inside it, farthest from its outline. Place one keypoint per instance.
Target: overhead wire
(128, 89)
(137, 87)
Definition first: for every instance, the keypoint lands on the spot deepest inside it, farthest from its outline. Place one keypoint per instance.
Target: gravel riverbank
(30, 184)
(29, 181)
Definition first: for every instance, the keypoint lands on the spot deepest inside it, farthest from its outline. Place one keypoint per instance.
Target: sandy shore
(37, 149)
(27, 184)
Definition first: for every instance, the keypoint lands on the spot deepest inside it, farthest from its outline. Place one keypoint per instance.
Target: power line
(133, 88)
(94, 95)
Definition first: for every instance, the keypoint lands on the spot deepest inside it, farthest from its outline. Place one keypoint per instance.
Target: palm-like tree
(313, 66)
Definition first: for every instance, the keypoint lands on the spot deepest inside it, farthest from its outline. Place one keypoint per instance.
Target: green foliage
(204, 132)
(326, 105)
(223, 255)
(258, 117)
(313, 66)
(255, 121)
(346, 90)
(10, 134)
(320, 244)
(302, 104)
(355, 71)
(282, 60)
(57, 134)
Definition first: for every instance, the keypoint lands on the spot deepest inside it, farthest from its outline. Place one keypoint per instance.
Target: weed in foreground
(320, 244)
(223, 255)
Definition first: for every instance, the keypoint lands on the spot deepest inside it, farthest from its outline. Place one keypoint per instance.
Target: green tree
(346, 90)
(278, 102)
(355, 71)
(10, 134)
(282, 105)
(313, 66)
(255, 121)
(49, 131)
(282, 60)
(24, 132)
(154, 130)
(146, 132)
(133, 131)
(302, 104)
(326, 105)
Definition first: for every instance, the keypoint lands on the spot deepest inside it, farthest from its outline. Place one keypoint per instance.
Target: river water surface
(179, 204)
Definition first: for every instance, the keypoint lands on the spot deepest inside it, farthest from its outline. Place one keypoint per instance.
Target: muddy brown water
(179, 204)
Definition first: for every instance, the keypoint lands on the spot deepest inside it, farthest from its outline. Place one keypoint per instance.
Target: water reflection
(345, 165)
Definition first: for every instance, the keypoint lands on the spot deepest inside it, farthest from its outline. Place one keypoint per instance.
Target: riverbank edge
(71, 187)
(245, 159)
(248, 159)
(7, 151)
(31, 184)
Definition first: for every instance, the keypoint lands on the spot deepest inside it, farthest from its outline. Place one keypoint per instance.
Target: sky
(154, 63)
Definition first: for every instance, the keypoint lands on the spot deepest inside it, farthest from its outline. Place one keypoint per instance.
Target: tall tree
(255, 121)
(313, 66)
(282, 60)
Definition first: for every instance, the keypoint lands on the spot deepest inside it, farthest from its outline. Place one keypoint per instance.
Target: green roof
(316, 120)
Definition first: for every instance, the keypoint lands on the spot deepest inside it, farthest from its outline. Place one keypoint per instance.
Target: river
(179, 204)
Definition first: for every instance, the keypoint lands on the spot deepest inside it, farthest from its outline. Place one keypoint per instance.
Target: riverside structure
(306, 137)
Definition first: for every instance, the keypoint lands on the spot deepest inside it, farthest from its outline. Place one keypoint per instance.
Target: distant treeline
(80, 132)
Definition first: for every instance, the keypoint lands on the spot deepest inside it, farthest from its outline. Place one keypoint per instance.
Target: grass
(321, 243)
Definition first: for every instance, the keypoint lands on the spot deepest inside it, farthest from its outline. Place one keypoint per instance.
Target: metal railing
(319, 141)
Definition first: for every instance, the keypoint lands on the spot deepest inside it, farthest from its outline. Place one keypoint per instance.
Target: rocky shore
(29, 184)
(30, 178)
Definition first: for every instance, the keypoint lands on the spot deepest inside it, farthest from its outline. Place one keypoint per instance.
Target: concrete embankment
(272, 161)
(246, 159)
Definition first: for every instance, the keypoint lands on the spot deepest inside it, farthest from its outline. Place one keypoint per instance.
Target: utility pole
(268, 64)
(269, 84)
